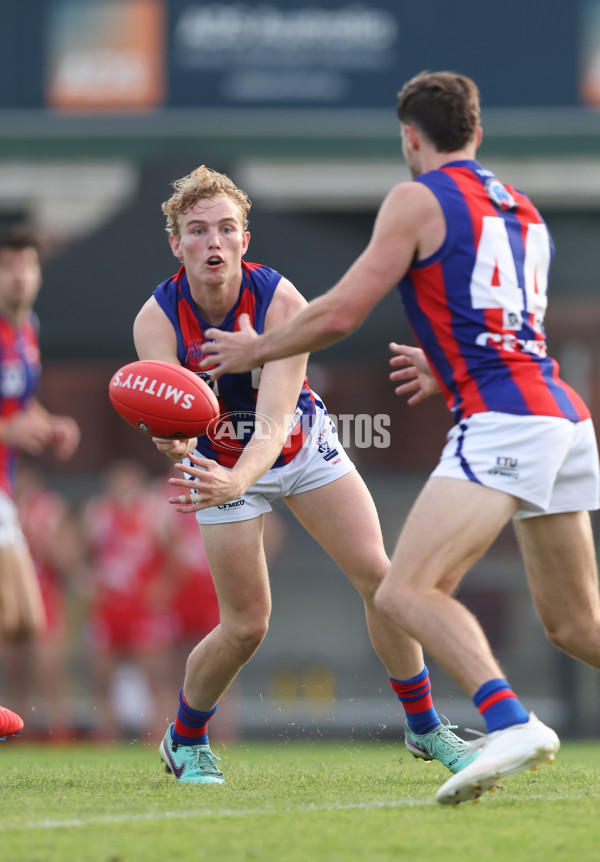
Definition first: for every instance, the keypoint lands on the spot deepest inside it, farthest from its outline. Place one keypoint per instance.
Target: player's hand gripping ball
(163, 399)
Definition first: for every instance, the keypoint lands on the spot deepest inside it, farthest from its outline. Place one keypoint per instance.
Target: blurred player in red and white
(24, 426)
(127, 620)
(54, 539)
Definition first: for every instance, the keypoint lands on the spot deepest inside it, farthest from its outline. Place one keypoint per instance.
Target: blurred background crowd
(103, 103)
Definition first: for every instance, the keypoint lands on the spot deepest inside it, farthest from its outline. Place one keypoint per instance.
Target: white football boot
(519, 747)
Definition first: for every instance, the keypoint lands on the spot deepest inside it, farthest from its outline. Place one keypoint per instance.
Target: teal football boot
(190, 764)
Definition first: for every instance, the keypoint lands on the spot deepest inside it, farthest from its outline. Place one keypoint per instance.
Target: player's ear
(175, 246)
(245, 242)
(412, 137)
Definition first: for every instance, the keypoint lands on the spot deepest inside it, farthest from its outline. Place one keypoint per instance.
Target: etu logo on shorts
(505, 467)
(506, 463)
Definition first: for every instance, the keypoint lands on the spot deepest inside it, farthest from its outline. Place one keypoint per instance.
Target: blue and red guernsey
(19, 378)
(236, 393)
(477, 305)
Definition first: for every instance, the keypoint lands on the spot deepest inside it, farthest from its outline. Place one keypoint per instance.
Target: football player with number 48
(471, 259)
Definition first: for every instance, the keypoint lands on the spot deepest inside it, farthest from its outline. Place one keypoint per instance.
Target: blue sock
(191, 725)
(499, 705)
(415, 696)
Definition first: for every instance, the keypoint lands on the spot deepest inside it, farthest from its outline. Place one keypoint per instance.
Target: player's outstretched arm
(318, 325)
(414, 373)
(337, 313)
(232, 352)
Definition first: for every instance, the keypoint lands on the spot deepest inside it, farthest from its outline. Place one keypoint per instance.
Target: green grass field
(294, 802)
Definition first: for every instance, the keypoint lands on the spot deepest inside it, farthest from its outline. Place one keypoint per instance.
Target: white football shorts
(321, 460)
(549, 463)
(11, 533)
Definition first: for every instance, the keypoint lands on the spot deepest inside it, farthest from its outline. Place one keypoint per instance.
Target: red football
(163, 399)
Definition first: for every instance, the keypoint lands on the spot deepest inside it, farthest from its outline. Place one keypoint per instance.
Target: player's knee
(574, 631)
(368, 586)
(380, 598)
(569, 635)
(248, 634)
(368, 580)
(562, 639)
(251, 638)
(391, 602)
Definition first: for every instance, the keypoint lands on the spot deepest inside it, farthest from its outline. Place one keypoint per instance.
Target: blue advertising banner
(82, 55)
(271, 55)
(357, 55)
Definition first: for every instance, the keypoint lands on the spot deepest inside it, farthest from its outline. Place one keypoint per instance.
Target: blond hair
(202, 183)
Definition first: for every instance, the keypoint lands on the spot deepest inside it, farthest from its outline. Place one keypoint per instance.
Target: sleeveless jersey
(477, 304)
(224, 442)
(19, 378)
